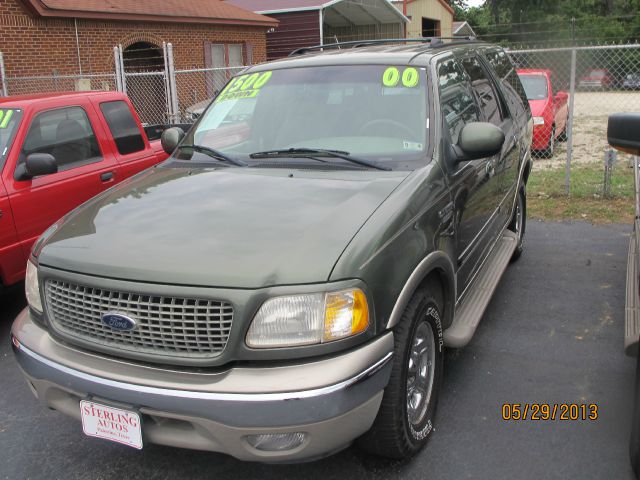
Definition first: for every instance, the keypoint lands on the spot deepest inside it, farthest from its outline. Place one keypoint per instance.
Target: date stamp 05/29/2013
(549, 411)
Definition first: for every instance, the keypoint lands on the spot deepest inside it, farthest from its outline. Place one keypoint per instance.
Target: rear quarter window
(123, 127)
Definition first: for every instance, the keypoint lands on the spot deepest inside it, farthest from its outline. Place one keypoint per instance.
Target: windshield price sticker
(392, 77)
(5, 117)
(244, 86)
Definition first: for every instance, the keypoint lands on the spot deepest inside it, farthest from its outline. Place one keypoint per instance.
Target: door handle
(105, 177)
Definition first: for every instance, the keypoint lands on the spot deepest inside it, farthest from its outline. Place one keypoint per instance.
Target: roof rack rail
(432, 41)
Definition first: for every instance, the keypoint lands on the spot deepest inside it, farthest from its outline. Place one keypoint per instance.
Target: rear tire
(634, 443)
(405, 419)
(518, 223)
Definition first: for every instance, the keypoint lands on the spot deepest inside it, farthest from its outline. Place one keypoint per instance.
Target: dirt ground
(590, 127)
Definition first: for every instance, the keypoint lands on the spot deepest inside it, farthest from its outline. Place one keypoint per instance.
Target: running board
(470, 311)
(631, 320)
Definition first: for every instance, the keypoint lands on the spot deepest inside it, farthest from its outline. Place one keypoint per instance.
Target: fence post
(121, 79)
(572, 96)
(116, 62)
(3, 77)
(174, 109)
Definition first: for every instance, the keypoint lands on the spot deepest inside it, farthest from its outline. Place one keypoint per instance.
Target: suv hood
(228, 227)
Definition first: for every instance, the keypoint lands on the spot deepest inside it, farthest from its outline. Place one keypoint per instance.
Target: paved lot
(553, 333)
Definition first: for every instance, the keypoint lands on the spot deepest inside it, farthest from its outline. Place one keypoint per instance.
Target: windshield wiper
(310, 152)
(213, 153)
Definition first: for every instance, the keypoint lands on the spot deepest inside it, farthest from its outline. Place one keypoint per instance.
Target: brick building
(46, 37)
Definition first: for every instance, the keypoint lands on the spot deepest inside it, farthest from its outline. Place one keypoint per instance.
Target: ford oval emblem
(118, 321)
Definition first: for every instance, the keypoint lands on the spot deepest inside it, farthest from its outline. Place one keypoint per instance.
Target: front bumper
(332, 401)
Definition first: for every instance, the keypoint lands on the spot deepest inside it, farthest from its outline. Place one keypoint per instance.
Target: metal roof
(337, 12)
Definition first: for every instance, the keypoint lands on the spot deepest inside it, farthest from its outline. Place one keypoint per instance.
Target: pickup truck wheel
(519, 223)
(405, 418)
(634, 443)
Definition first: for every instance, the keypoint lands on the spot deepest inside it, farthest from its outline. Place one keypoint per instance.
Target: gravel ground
(552, 333)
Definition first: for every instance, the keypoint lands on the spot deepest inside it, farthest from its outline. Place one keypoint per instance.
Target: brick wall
(36, 46)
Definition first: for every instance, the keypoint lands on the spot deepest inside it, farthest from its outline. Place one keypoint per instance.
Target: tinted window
(66, 134)
(123, 127)
(501, 64)
(456, 100)
(484, 90)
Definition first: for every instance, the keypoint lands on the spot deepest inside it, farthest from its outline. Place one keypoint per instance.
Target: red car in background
(58, 150)
(596, 79)
(549, 108)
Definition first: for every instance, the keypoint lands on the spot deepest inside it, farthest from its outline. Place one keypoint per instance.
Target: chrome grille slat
(166, 326)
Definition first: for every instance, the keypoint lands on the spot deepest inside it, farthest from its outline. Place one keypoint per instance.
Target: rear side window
(484, 90)
(456, 100)
(123, 127)
(505, 71)
(65, 133)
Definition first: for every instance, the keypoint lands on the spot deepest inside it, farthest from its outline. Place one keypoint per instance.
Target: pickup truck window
(65, 133)
(376, 112)
(535, 86)
(457, 103)
(123, 127)
(9, 122)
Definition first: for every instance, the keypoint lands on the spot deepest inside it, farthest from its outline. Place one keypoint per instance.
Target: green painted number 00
(391, 77)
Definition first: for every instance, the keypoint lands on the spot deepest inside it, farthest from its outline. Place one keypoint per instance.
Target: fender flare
(435, 261)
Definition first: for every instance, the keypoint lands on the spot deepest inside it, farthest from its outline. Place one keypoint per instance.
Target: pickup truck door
(472, 184)
(128, 140)
(86, 167)
(12, 261)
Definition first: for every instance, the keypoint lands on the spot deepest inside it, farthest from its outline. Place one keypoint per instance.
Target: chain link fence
(572, 91)
(149, 94)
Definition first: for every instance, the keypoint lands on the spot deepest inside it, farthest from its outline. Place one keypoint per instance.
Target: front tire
(405, 419)
(518, 223)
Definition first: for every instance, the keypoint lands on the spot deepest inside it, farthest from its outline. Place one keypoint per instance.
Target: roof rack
(432, 41)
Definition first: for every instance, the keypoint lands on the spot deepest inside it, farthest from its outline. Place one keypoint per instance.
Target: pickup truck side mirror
(561, 96)
(170, 139)
(479, 140)
(623, 132)
(36, 165)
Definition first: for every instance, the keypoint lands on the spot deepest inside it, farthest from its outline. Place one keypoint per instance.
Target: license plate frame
(111, 423)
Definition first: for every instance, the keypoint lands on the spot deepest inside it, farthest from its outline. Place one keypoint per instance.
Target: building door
(430, 27)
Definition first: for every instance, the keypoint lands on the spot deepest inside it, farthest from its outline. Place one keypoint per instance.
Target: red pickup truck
(56, 152)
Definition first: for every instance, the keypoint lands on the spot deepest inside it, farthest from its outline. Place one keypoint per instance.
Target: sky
(475, 3)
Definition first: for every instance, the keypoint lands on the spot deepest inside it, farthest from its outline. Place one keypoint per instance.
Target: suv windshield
(9, 121)
(371, 112)
(535, 86)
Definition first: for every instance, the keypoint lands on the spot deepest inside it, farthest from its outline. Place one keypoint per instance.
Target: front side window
(484, 90)
(374, 112)
(535, 86)
(66, 134)
(123, 127)
(456, 100)
(511, 85)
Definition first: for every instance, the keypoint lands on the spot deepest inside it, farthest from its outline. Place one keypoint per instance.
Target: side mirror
(36, 165)
(170, 139)
(623, 132)
(479, 140)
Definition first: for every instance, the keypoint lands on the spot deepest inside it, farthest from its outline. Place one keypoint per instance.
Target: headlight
(309, 319)
(538, 120)
(32, 287)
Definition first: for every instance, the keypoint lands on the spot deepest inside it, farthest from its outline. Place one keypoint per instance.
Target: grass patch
(546, 198)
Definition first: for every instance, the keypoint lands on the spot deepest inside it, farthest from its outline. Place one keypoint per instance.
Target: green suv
(286, 282)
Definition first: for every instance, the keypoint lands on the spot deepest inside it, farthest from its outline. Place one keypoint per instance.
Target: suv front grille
(165, 326)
